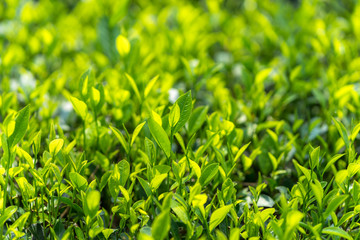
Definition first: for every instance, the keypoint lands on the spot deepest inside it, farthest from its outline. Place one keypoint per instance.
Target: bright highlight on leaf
(55, 146)
(92, 203)
(80, 107)
(218, 216)
(174, 115)
(122, 45)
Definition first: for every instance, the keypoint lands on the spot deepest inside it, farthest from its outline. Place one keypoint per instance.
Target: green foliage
(207, 119)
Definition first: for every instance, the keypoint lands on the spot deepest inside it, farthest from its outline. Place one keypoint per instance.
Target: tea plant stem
(113, 216)
(84, 128)
(97, 129)
(73, 201)
(11, 191)
(111, 221)
(169, 160)
(153, 209)
(36, 190)
(43, 209)
(58, 201)
(5, 190)
(347, 189)
(36, 202)
(87, 231)
(347, 192)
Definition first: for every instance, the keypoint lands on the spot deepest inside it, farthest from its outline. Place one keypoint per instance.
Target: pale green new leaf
(334, 204)
(20, 222)
(157, 180)
(134, 86)
(21, 124)
(7, 213)
(124, 170)
(95, 96)
(345, 217)
(107, 233)
(208, 173)
(150, 85)
(235, 234)
(241, 151)
(122, 45)
(21, 152)
(161, 226)
(185, 104)
(104, 180)
(336, 232)
(218, 216)
(197, 119)
(78, 181)
(125, 193)
(174, 115)
(55, 146)
(93, 203)
(80, 107)
(314, 157)
(355, 132)
(145, 186)
(353, 169)
(318, 192)
(121, 138)
(305, 171)
(293, 218)
(332, 161)
(160, 136)
(136, 132)
(342, 131)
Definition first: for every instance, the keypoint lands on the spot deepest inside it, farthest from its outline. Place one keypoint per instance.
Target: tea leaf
(122, 45)
(336, 232)
(25, 155)
(332, 161)
(161, 226)
(136, 132)
(342, 131)
(55, 146)
(121, 138)
(318, 192)
(124, 170)
(314, 156)
(197, 119)
(21, 125)
(150, 85)
(80, 107)
(334, 204)
(9, 211)
(92, 203)
(160, 136)
(134, 86)
(145, 185)
(174, 115)
(185, 104)
(78, 181)
(208, 173)
(218, 216)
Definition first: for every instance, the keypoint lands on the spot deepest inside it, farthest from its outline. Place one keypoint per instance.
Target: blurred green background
(259, 64)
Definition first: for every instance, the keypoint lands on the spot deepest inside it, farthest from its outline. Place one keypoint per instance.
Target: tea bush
(211, 119)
